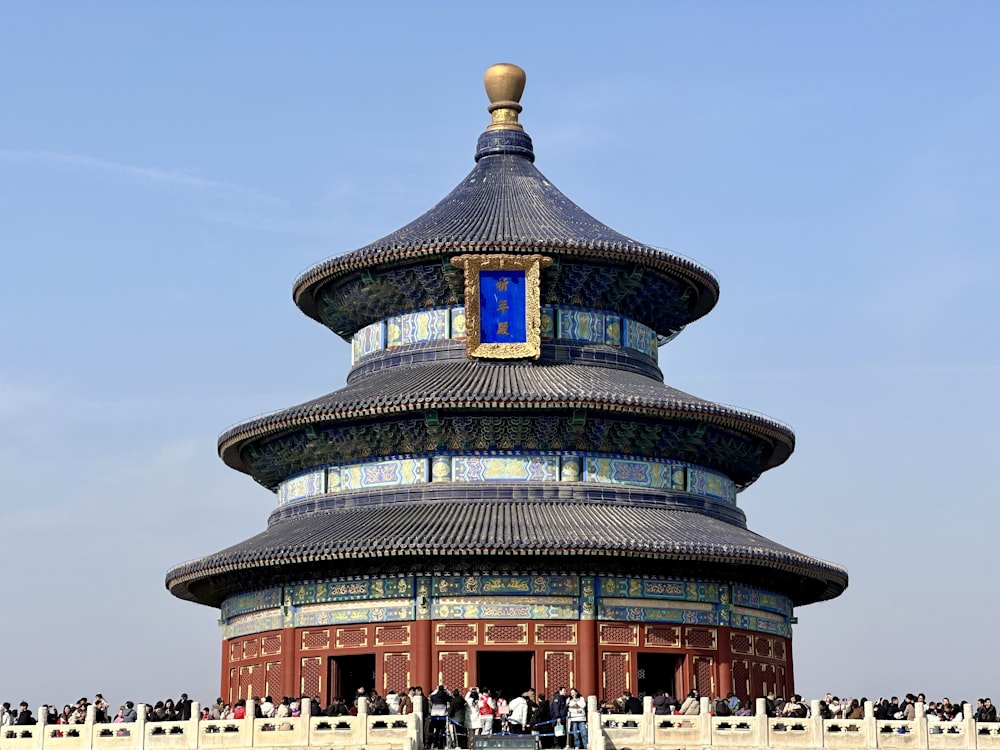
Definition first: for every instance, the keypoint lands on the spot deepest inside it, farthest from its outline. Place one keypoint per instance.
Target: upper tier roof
(504, 205)
(506, 386)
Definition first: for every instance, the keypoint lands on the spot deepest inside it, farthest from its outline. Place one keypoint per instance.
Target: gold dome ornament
(504, 85)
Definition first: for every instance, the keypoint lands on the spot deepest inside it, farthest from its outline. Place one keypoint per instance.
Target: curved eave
(487, 529)
(233, 441)
(353, 263)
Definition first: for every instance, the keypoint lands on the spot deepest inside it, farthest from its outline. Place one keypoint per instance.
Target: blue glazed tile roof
(504, 527)
(503, 386)
(506, 204)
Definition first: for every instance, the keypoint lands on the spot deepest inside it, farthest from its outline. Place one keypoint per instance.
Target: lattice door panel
(703, 671)
(617, 677)
(762, 679)
(311, 675)
(245, 685)
(395, 672)
(558, 671)
(741, 680)
(272, 684)
(453, 669)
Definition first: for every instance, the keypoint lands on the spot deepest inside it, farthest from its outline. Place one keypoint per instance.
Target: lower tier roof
(316, 544)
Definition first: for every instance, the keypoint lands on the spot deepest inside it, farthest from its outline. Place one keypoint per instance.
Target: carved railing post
(139, 727)
(192, 729)
(361, 728)
(248, 737)
(705, 721)
(816, 719)
(969, 727)
(919, 725)
(869, 726)
(648, 722)
(761, 729)
(595, 732)
(418, 721)
(38, 731)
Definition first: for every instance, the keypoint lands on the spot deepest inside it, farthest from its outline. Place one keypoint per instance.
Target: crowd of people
(76, 713)
(453, 717)
(830, 707)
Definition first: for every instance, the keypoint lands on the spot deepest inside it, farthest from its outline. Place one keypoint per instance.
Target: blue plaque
(502, 299)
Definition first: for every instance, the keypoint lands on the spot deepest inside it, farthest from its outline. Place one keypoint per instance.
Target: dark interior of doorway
(656, 672)
(348, 673)
(509, 671)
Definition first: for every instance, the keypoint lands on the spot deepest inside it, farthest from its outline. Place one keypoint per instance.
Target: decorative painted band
(557, 323)
(551, 466)
(505, 596)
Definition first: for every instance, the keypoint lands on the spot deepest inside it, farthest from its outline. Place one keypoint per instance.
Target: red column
(789, 673)
(291, 684)
(422, 641)
(587, 659)
(225, 689)
(725, 684)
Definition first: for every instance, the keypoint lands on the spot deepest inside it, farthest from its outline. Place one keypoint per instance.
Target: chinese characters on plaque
(502, 304)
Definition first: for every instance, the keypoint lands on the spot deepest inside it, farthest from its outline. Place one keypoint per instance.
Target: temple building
(505, 493)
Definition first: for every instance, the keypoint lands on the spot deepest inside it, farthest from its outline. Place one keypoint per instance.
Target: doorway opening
(509, 671)
(348, 673)
(656, 671)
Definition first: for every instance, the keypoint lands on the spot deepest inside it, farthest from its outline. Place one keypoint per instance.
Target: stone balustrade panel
(607, 732)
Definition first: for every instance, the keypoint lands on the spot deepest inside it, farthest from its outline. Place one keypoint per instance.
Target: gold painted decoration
(502, 305)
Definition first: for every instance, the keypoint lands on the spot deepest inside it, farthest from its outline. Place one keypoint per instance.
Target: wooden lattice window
(250, 648)
(392, 635)
(663, 636)
(235, 651)
(456, 633)
(704, 638)
(620, 634)
(352, 637)
(556, 633)
(740, 643)
(505, 633)
(313, 640)
(271, 645)
(778, 649)
(761, 646)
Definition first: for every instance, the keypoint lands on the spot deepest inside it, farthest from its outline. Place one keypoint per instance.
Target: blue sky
(166, 170)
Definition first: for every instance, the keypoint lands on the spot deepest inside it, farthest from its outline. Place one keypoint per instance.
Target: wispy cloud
(148, 175)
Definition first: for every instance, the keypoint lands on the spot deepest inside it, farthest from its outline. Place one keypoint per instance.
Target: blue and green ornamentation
(570, 324)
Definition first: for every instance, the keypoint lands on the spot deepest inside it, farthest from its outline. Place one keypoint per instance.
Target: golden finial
(504, 86)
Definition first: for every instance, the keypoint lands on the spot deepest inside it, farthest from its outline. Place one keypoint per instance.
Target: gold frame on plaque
(531, 265)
